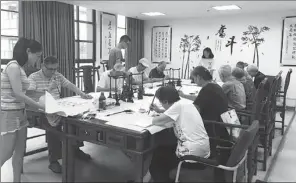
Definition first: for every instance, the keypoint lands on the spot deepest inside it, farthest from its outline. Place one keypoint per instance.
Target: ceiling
(183, 9)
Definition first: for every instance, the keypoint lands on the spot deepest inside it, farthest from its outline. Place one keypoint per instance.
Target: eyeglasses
(51, 69)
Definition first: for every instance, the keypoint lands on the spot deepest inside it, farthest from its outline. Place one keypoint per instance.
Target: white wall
(204, 27)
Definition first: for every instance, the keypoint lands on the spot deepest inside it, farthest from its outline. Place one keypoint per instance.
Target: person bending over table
(192, 138)
(14, 84)
(233, 89)
(158, 72)
(48, 79)
(104, 83)
(141, 67)
(239, 75)
(256, 74)
(211, 102)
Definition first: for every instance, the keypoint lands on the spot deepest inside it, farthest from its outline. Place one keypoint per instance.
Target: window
(121, 29)
(84, 35)
(85, 40)
(9, 29)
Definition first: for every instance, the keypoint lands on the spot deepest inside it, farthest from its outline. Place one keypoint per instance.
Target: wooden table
(96, 131)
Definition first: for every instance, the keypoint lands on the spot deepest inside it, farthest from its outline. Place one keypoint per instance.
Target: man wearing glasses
(48, 79)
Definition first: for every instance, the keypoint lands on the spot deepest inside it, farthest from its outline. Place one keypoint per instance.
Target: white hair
(252, 68)
(225, 71)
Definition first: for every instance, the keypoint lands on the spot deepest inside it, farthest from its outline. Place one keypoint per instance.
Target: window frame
(77, 40)
(4, 61)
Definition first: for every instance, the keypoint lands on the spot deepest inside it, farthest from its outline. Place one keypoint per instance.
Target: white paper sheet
(70, 106)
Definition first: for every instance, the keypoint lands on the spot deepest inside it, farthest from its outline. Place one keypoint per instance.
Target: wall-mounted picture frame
(161, 44)
(108, 34)
(288, 43)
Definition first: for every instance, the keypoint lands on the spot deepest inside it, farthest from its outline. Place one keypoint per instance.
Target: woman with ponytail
(14, 84)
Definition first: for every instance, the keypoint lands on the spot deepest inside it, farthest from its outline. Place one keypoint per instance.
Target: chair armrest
(224, 141)
(280, 95)
(243, 111)
(198, 159)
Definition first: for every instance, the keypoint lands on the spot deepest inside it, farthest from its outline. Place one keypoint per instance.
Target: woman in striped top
(14, 84)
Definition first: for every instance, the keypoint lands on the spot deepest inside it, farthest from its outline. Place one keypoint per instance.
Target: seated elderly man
(140, 68)
(239, 75)
(158, 72)
(256, 74)
(48, 79)
(233, 89)
(104, 83)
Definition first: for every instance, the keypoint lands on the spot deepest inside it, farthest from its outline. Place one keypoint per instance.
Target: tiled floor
(109, 165)
(285, 166)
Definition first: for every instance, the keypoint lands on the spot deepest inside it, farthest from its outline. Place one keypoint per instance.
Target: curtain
(52, 24)
(135, 51)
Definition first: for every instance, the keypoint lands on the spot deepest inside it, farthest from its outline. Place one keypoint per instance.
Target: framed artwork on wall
(288, 46)
(161, 44)
(108, 34)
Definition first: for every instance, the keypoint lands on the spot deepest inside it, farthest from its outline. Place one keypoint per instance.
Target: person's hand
(155, 108)
(181, 94)
(86, 96)
(41, 103)
(53, 85)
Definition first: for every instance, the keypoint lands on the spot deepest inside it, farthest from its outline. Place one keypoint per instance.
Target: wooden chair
(85, 77)
(249, 115)
(238, 154)
(266, 130)
(281, 106)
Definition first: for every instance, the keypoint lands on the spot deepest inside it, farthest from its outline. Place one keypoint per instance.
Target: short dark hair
(167, 93)
(51, 60)
(20, 50)
(207, 49)
(241, 64)
(202, 72)
(125, 38)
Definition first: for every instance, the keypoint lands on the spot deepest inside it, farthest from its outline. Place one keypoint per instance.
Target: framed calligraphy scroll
(288, 47)
(108, 34)
(161, 44)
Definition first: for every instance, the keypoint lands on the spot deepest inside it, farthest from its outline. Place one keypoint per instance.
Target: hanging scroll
(288, 52)
(161, 44)
(108, 34)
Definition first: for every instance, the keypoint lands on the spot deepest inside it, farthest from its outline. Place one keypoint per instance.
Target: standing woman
(14, 84)
(207, 60)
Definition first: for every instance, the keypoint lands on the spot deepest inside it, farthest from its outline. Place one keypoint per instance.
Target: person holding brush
(192, 138)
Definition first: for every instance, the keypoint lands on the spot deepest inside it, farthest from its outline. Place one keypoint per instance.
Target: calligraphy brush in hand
(151, 104)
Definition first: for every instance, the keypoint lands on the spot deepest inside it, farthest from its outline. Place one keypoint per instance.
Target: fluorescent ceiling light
(227, 7)
(153, 14)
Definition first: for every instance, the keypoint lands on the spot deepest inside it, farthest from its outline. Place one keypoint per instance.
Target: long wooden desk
(96, 131)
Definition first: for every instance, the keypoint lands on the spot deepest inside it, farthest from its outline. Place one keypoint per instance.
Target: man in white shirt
(189, 129)
(104, 83)
(141, 67)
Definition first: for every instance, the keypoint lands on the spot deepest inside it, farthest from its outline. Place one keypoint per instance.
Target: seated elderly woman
(232, 88)
(249, 87)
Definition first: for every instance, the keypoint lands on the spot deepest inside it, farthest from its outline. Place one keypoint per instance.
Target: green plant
(188, 44)
(252, 36)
